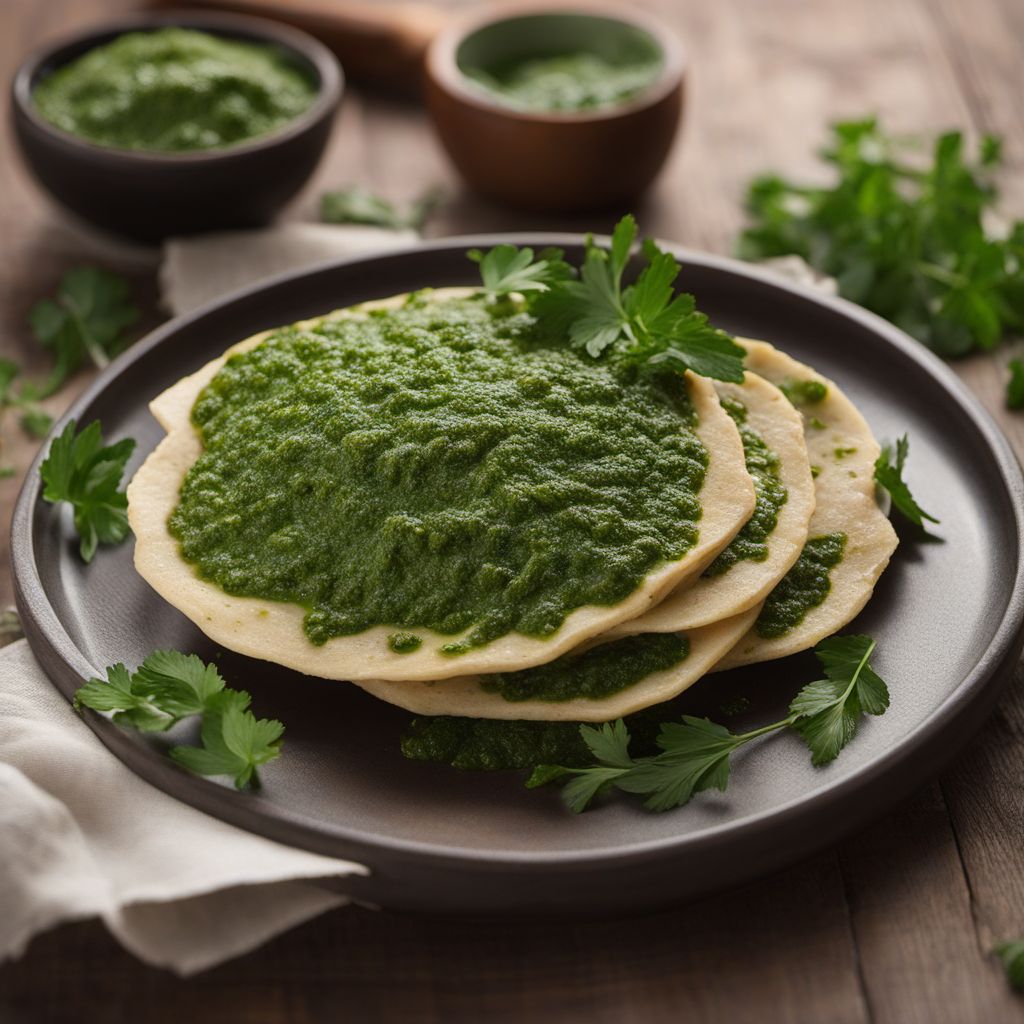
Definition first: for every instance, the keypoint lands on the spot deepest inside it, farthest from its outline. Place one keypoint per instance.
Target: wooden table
(897, 923)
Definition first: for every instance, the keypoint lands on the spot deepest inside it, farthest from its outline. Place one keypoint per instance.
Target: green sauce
(404, 643)
(437, 466)
(804, 587)
(175, 89)
(599, 672)
(567, 82)
(487, 744)
(751, 543)
(804, 392)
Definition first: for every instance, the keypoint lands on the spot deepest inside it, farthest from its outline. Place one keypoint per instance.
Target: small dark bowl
(147, 196)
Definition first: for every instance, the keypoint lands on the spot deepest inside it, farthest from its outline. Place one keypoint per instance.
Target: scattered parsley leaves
(889, 475)
(1015, 385)
(694, 753)
(169, 687)
(86, 320)
(645, 322)
(34, 420)
(1012, 956)
(85, 474)
(358, 205)
(905, 241)
(506, 269)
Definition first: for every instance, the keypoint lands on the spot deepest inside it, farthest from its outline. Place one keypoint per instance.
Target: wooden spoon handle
(379, 44)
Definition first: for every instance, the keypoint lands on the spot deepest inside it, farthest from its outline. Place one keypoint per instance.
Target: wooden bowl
(147, 196)
(553, 162)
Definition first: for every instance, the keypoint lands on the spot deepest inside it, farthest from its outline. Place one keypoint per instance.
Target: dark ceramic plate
(948, 618)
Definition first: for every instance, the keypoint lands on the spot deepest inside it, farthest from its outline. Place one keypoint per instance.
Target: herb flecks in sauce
(566, 82)
(175, 89)
(437, 467)
(804, 587)
(404, 643)
(596, 673)
(804, 392)
(751, 543)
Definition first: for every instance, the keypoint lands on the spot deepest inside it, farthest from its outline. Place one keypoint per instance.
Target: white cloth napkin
(200, 268)
(81, 836)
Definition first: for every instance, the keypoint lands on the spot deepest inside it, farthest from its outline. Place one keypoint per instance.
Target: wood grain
(896, 924)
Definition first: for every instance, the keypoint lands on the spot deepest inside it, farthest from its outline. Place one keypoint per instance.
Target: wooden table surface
(894, 925)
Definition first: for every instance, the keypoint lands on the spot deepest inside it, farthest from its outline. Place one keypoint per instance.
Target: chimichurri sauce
(567, 82)
(763, 466)
(599, 672)
(804, 587)
(438, 466)
(488, 744)
(174, 89)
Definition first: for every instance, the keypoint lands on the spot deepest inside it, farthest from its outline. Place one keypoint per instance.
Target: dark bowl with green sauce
(556, 109)
(149, 193)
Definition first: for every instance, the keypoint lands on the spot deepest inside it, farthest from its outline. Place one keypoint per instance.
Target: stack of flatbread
(785, 427)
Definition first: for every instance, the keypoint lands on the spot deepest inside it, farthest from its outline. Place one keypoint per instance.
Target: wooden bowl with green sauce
(556, 110)
(176, 123)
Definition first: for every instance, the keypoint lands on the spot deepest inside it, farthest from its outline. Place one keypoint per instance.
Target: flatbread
(712, 598)
(465, 697)
(273, 631)
(846, 503)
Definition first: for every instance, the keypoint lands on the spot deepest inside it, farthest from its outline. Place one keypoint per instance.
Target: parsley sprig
(646, 322)
(904, 240)
(169, 687)
(85, 321)
(889, 475)
(34, 419)
(694, 753)
(358, 205)
(79, 470)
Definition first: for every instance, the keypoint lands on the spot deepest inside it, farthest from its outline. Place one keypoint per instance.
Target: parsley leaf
(646, 322)
(86, 320)
(694, 753)
(506, 269)
(34, 420)
(906, 241)
(889, 475)
(358, 205)
(168, 687)
(1012, 956)
(80, 471)
(826, 712)
(1015, 385)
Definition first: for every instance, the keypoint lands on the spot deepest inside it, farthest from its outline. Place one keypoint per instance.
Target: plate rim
(977, 689)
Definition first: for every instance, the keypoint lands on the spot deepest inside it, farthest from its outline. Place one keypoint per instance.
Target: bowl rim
(299, 43)
(442, 68)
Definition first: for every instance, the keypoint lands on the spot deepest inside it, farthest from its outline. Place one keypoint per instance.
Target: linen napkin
(81, 836)
(201, 268)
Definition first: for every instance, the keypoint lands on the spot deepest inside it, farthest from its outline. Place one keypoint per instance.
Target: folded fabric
(82, 836)
(201, 268)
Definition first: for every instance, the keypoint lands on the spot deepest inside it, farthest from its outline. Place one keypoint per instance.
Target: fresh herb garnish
(1015, 385)
(645, 322)
(85, 474)
(904, 241)
(169, 687)
(357, 205)
(889, 475)
(86, 320)
(506, 269)
(1012, 956)
(694, 753)
(34, 420)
